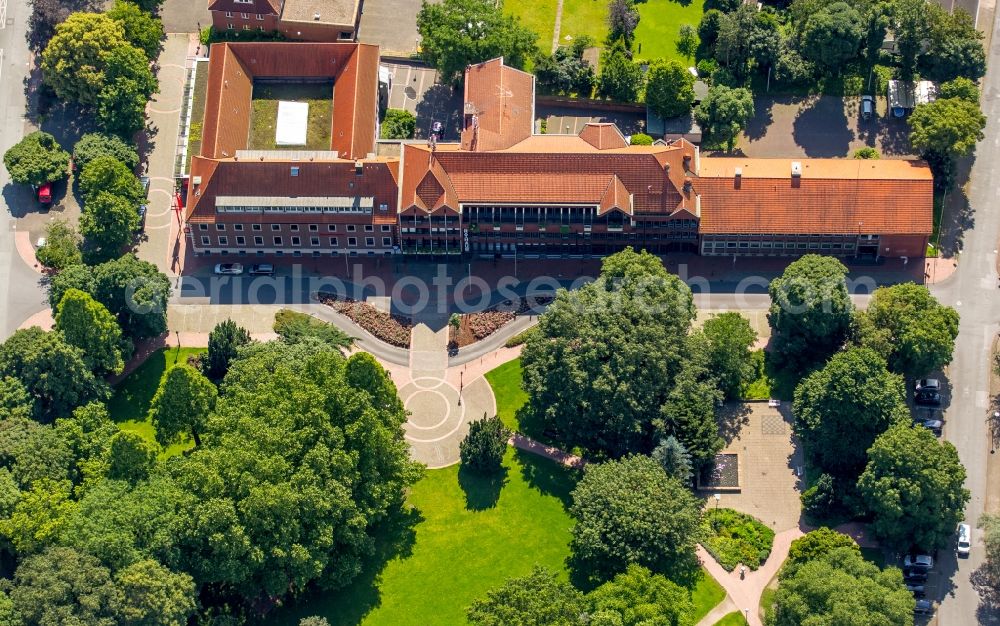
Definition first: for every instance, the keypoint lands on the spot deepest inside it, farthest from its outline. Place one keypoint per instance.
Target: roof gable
(258, 7)
(603, 136)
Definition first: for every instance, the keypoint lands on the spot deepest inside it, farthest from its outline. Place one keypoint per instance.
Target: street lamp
(718, 497)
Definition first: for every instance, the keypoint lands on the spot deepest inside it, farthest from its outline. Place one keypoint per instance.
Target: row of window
(792, 237)
(229, 26)
(246, 16)
(313, 228)
(352, 242)
(778, 245)
(356, 210)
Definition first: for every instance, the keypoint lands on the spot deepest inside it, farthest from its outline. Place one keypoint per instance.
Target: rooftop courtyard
(264, 114)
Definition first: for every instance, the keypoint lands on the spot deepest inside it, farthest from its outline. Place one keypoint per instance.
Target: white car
(922, 561)
(229, 268)
(964, 540)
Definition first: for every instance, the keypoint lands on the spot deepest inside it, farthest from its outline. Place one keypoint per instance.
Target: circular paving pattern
(437, 422)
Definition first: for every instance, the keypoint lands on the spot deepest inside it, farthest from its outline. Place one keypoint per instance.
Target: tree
(135, 291)
(75, 276)
(621, 78)
(708, 27)
(631, 512)
(990, 524)
(673, 457)
(687, 41)
(669, 88)
(957, 58)
(155, 596)
(483, 448)
(913, 486)
(37, 159)
(47, 14)
(94, 145)
(458, 33)
(867, 153)
(314, 620)
(64, 586)
(961, 88)
(949, 127)
(730, 338)
(108, 174)
(181, 405)
(565, 70)
(841, 587)
(39, 516)
(689, 412)
(121, 105)
(911, 26)
(131, 457)
(14, 399)
(810, 311)
(841, 409)
(398, 124)
(623, 17)
(919, 330)
(732, 44)
(639, 597)
(224, 343)
(588, 374)
(108, 224)
(817, 544)
(62, 246)
(832, 36)
(724, 112)
(640, 139)
(336, 462)
(141, 29)
(52, 371)
(34, 453)
(74, 61)
(294, 327)
(537, 599)
(765, 43)
(87, 324)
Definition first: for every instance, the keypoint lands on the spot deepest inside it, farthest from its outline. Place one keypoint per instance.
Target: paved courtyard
(415, 88)
(392, 24)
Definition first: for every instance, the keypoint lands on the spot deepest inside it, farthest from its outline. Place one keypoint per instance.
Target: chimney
(316, 16)
(359, 168)
(796, 169)
(737, 177)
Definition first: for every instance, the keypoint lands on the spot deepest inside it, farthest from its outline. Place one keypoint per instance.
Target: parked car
(932, 398)
(229, 268)
(923, 607)
(913, 561)
(934, 426)
(867, 107)
(918, 591)
(915, 575)
(45, 194)
(964, 540)
(928, 384)
(261, 269)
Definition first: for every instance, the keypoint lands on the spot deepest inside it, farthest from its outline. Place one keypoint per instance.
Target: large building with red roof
(505, 190)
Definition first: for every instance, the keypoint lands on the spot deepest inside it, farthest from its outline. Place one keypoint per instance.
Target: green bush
(398, 124)
(732, 538)
(641, 139)
(522, 337)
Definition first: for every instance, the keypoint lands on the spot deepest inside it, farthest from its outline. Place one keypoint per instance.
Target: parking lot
(392, 24)
(416, 89)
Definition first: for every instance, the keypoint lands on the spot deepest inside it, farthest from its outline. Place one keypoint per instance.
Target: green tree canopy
(141, 28)
(537, 599)
(399, 124)
(674, 458)
(294, 327)
(913, 486)
(108, 224)
(724, 112)
(87, 324)
(483, 448)
(868, 153)
(689, 411)
(121, 105)
(630, 512)
(155, 596)
(832, 36)
(818, 543)
(108, 174)
(62, 246)
(948, 127)
(687, 41)
(961, 88)
(37, 159)
(622, 18)
(74, 60)
(94, 145)
(14, 399)
(954, 46)
(621, 78)
(810, 311)
(457, 33)
(841, 409)
(135, 291)
(638, 597)
(130, 457)
(64, 586)
(919, 332)
(841, 587)
(640, 139)
(607, 354)
(669, 88)
(565, 71)
(224, 343)
(52, 370)
(181, 405)
(730, 338)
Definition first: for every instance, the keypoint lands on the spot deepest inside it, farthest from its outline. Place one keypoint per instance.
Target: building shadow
(821, 129)
(482, 490)
(442, 104)
(762, 118)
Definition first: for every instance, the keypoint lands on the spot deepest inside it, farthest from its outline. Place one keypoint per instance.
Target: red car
(45, 193)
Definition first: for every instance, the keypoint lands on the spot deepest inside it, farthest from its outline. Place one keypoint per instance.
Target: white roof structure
(293, 123)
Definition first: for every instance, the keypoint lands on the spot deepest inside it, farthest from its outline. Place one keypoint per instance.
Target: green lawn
(538, 15)
(130, 403)
(659, 25)
(583, 17)
(732, 619)
(705, 595)
(506, 383)
(264, 115)
(456, 545)
(767, 599)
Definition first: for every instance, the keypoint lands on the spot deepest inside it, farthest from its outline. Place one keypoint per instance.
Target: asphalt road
(18, 283)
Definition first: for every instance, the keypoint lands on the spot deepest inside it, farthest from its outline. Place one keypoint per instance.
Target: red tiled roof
(616, 197)
(832, 196)
(260, 7)
(603, 136)
(499, 106)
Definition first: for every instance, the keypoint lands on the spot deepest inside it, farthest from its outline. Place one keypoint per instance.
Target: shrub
(398, 124)
(391, 329)
(62, 246)
(867, 153)
(483, 448)
(641, 139)
(732, 538)
(95, 145)
(522, 337)
(293, 326)
(488, 322)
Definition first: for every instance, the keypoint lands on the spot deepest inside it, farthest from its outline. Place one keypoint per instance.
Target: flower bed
(392, 329)
(732, 538)
(488, 322)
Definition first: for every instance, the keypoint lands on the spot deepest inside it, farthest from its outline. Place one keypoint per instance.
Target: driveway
(821, 126)
(185, 16)
(392, 24)
(415, 88)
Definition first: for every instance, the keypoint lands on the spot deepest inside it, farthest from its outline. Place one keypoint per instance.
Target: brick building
(304, 20)
(504, 190)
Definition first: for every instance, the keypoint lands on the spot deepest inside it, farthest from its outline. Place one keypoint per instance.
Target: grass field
(732, 619)
(705, 595)
(465, 536)
(264, 115)
(130, 403)
(660, 22)
(584, 17)
(506, 383)
(537, 15)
